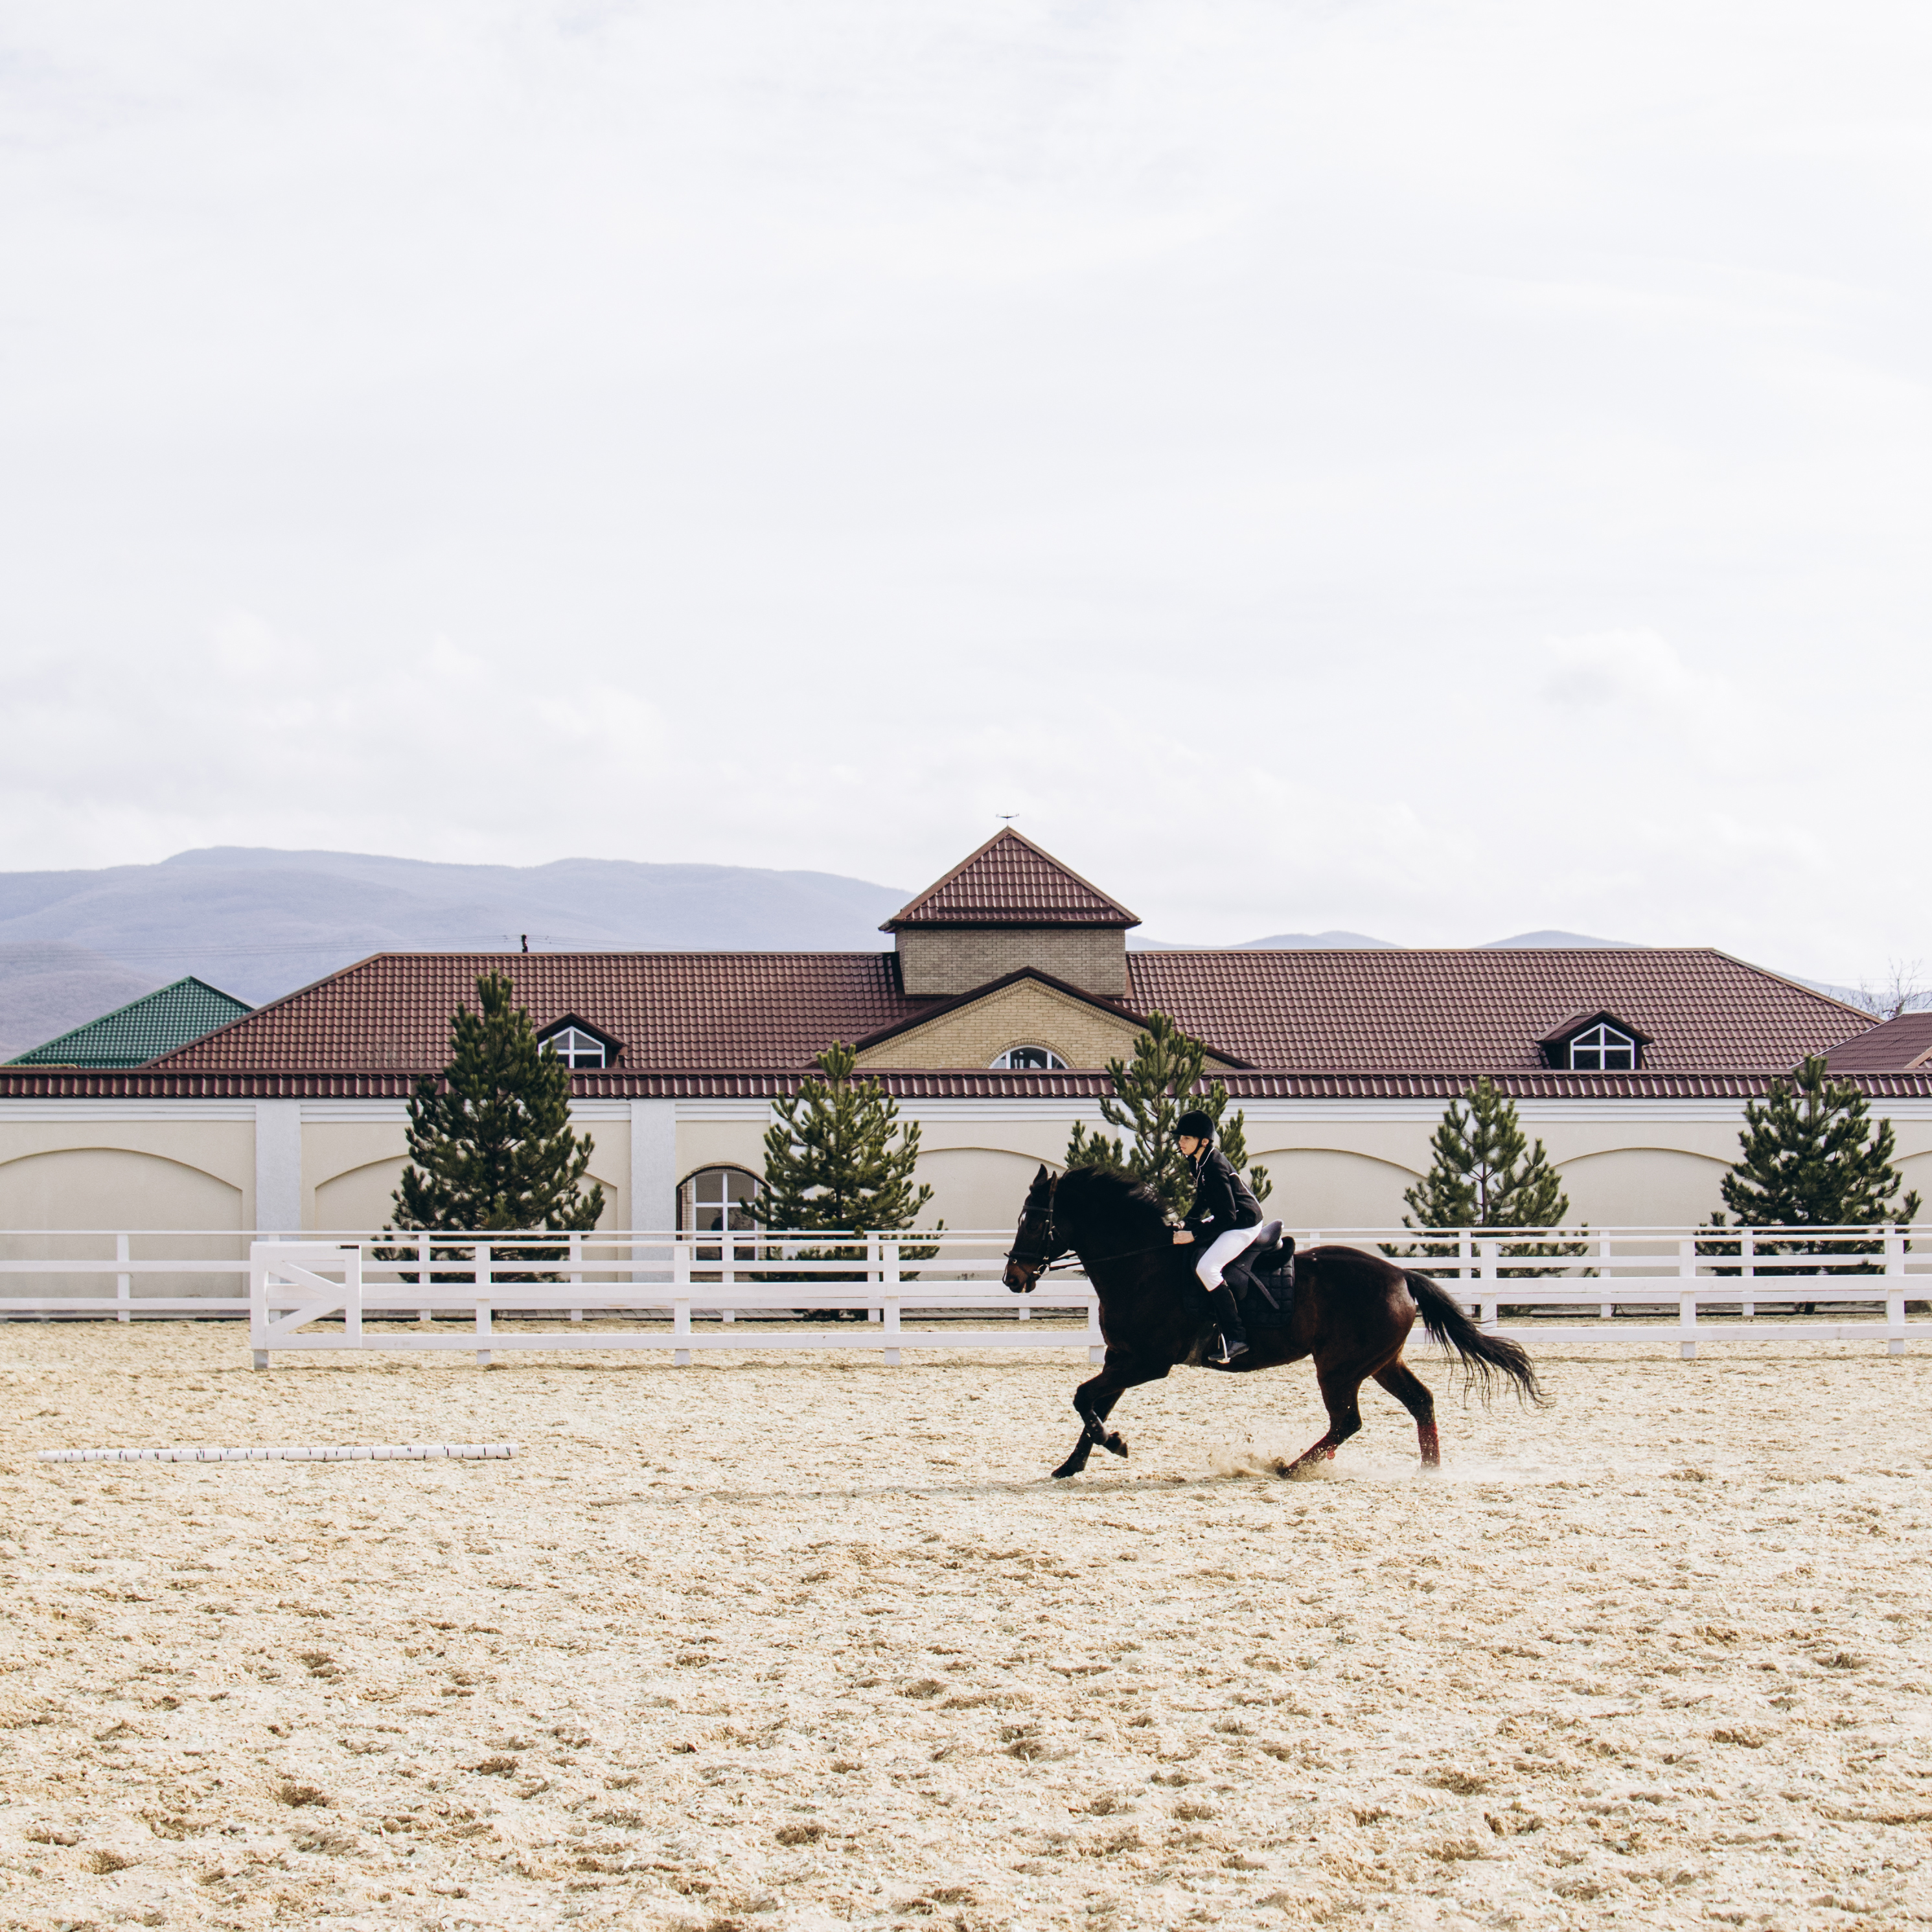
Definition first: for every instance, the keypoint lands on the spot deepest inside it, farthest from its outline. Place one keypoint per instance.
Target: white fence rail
(700, 1292)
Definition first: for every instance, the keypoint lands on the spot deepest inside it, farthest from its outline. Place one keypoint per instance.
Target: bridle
(1052, 1246)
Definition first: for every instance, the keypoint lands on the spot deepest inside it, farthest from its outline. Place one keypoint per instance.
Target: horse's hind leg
(1402, 1382)
(1342, 1394)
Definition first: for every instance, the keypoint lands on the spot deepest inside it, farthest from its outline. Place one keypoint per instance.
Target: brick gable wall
(948, 960)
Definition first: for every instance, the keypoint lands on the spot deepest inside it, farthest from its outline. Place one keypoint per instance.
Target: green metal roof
(155, 1024)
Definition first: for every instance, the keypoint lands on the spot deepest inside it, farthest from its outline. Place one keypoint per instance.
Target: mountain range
(259, 923)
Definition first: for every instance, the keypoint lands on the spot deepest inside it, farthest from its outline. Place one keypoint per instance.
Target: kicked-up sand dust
(806, 1641)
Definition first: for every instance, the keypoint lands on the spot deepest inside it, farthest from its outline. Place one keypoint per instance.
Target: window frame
(686, 1218)
(565, 1023)
(1602, 1039)
(1003, 1062)
(571, 1058)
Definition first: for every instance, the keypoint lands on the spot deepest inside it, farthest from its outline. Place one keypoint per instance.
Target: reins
(1055, 1267)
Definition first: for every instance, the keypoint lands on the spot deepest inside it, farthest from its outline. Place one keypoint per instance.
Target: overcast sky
(1435, 470)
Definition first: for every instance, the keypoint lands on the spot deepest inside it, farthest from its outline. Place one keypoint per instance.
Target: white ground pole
(278, 1175)
(394, 1452)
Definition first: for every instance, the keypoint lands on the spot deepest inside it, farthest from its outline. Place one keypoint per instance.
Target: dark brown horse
(1351, 1310)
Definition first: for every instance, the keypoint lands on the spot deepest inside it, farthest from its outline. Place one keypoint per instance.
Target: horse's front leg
(1093, 1403)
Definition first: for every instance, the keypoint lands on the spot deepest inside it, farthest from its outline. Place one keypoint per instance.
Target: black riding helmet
(1197, 1124)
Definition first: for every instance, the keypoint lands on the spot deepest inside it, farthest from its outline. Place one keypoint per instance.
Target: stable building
(992, 1013)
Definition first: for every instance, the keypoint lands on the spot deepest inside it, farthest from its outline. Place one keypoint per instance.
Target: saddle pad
(1271, 1275)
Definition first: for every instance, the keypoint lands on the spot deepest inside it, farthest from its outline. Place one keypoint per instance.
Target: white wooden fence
(690, 1292)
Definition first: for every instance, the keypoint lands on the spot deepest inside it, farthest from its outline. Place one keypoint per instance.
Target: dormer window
(1603, 1048)
(1595, 1041)
(577, 1045)
(1030, 1060)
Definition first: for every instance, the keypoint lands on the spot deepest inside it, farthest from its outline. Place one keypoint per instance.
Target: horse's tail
(1485, 1358)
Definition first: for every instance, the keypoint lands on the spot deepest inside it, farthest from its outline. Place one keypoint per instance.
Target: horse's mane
(1102, 1189)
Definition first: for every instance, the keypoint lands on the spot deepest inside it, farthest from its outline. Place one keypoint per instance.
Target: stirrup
(1233, 1347)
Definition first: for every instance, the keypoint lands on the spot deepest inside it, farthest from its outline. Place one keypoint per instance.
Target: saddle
(1266, 1269)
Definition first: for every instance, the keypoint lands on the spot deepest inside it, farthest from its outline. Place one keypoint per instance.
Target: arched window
(1030, 1060)
(717, 1198)
(576, 1048)
(1602, 1049)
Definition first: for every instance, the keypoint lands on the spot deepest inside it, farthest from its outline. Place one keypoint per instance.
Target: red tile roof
(672, 1010)
(1466, 1011)
(1010, 881)
(1386, 1014)
(67, 1083)
(1905, 1042)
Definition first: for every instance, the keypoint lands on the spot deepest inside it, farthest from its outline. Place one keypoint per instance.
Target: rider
(1223, 1222)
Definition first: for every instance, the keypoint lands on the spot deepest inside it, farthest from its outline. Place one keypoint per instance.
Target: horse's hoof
(1069, 1468)
(1116, 1445)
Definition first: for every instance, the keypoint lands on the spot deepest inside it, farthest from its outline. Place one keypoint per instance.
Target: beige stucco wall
(955, 959)
(144, 1175)
(1332, 1168)
(95, 1172)
(351, 1170)
(976, 1187)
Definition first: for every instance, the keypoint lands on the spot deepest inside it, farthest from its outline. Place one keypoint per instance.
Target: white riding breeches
(1221, 1250)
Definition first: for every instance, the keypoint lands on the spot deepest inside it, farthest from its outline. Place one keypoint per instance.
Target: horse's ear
(1040, 1179)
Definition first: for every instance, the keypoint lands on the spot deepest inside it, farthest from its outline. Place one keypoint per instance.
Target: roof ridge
(105, 1026)
(1786, 979)
(1005, 839)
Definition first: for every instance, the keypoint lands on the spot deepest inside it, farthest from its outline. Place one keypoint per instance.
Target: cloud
(1637, 669)
(1237, 438)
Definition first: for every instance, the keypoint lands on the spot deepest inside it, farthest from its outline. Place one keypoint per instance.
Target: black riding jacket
(1221, 1199)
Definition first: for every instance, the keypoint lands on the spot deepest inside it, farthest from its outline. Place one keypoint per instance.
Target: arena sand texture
(806, 1641)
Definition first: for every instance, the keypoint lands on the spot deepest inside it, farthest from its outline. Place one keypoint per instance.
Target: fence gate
(288, 1287)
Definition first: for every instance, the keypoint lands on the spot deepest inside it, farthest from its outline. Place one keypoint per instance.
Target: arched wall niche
(976, 1187)
(1642, 1187)
(1332, 1187)
(113, 1187)
(362, 1198)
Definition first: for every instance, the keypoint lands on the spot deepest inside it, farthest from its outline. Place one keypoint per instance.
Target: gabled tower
(1008, 906)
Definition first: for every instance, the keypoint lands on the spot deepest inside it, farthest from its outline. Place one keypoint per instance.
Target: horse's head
(1037, 1241)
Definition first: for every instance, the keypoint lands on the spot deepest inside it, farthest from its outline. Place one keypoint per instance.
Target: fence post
(352, 1296)
(1687, 1301)
(1485, 1283)
(680, 1305)
(889, 1280)
(1747, 1266)
(481, 1282)
(872, 1265)
(1895, 1297)
(423, 1315)
(1607, 1310)
(576, 1270)
(258, 1304)
(123, 1284)
(1097, 1342)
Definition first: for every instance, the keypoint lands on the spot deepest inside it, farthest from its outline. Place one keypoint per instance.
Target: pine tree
(1812, 1157)
(837, 1158)
(1149, 1097)
(1485, 1174)
(492, 1147)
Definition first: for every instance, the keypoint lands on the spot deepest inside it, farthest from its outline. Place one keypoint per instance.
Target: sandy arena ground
(777, 1641)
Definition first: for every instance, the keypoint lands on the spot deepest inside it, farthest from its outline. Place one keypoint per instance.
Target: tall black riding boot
(1228, 1319)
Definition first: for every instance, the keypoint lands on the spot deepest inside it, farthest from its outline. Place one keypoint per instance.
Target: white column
(652, 1205)
(278, 1170)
